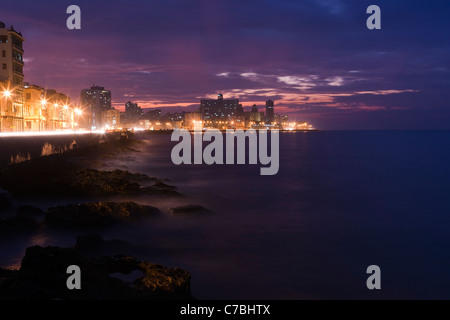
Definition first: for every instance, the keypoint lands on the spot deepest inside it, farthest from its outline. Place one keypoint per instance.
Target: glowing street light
(78, 111)
(66, 107)
(43, 102)
(7, 94)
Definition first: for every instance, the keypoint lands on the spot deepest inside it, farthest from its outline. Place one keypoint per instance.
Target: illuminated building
(220, 109)
(269, 111)
(133, 114)
(111, 119)
(46, 110)
(11, 79)
(95, 100)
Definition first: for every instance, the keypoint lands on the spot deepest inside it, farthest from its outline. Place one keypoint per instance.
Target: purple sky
(315, 58)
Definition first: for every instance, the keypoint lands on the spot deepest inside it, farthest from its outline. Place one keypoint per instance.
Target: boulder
(43, 276)
(98, 214)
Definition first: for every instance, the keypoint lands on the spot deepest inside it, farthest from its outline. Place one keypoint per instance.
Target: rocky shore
(72, 175)
(43, 275)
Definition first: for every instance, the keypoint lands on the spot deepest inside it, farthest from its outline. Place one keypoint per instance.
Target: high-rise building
(96, 100)
(220, 109)
(11, 79)
(269, 111)
(133, 113)
(255, 115)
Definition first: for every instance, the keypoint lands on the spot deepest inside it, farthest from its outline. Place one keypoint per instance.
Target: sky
(315, 58)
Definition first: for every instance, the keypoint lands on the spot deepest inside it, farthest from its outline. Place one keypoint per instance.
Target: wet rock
(29, 211)
(189, 209)
(43, 276)
(164, 281)
(97, 214)
(95, 182)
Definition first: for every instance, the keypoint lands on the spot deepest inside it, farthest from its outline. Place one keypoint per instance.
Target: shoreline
(71, 175)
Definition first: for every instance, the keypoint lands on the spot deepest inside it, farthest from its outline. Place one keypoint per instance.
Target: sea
(342, 201)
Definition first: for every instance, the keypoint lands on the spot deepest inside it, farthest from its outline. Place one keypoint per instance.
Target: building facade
(220, 109)
(133, 113)
(111, 119)
(95, 101)
(47, 110)
(270, 111)
(11, 79)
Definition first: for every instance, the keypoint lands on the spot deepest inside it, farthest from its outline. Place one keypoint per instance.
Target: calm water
(341, 201)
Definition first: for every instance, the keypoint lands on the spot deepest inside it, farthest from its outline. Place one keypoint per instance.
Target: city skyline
(316, 60)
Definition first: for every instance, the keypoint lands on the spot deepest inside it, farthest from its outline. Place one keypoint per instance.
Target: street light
(7, 94)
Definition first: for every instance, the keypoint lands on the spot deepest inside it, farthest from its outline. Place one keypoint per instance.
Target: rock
(29, 211)
(189, 209)
(97, 214)
(43, 276)
(95, 182)
(53, 176)
(164, 281)
(160, 184)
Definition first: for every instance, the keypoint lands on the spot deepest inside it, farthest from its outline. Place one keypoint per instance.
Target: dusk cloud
(315, 58)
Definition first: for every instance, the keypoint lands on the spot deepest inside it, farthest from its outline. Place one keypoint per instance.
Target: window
(28, 97)
(4, 66)
(3, 39)
(4, 53)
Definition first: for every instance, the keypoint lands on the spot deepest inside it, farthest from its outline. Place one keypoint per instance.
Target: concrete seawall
(20, 148)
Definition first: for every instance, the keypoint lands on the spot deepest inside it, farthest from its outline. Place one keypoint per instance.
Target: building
(192, 120)
(269, 111)
(220, 109)
(255, 115)
(133, 113)
(11, 79)
(47, 110)
(95, 100)
(33, 108)
(153, 115)
(111, 119)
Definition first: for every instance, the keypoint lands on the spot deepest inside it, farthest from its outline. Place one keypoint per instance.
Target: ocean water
(341, 201)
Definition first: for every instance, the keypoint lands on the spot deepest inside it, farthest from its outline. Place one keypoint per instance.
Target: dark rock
(97, 214)
(189, 209)
(162, 185)
(162, 280)
(43, 276)
(29, 211)
(53, 176)
(95, 182)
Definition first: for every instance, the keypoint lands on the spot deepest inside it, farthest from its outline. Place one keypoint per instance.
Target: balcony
(18, 47)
